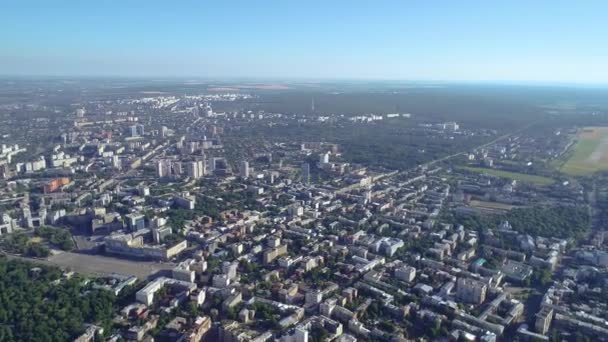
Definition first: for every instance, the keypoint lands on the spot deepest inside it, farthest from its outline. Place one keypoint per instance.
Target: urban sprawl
(204, 231)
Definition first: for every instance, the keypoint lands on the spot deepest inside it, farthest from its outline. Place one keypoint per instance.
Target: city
(207, 230)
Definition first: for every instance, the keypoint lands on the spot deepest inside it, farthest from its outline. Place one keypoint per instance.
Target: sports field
(589, 154)
(522, 177)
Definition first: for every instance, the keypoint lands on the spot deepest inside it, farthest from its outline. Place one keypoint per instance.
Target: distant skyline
(434, 40)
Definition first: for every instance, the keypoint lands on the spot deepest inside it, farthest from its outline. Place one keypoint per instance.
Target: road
(99, 265)
(442, 159)
(502, 137)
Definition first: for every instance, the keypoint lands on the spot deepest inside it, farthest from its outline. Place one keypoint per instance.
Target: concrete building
(543, 320)
(183, 272)
(388, 246)
(406, 273)
(298, 335)
(221, 281)
(196, 169)
(135, 222)
(133, 130)
(471, 291)
(305, 169)
(160, 233)
(324, 158)
(163, 168)
(244, 169)
(313, 297)
(230, 269)
(274, 253)
(133, 246)
(136, 130)
(6, 224)
(185, 201)
(146, 295)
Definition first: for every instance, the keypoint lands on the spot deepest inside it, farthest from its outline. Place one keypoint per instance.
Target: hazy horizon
(304, 80)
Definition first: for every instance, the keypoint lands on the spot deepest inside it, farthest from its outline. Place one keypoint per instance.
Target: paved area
(102, 265)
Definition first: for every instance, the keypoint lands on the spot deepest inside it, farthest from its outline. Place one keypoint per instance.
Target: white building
(406, 273)
(221, 281)
(183, 272)
(185, 201)
(471, 291)
(196, 169)
(146, 295)
(305, 169)
(163, 168)
(244, 169)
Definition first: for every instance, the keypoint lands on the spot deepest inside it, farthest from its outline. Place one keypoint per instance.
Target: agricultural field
(589, 153)
(521, 177)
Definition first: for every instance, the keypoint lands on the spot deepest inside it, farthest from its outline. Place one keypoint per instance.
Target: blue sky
(512, 40)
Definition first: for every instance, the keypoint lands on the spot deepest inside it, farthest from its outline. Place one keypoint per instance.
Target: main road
(502, 137)
(442, 159)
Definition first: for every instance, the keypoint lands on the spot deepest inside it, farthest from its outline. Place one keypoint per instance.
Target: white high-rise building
(192, 170)
(195, 169)
(209, 111)
(116, 163)
(324, 158)
(301, 335)
(305, 173)
(163, 168)
(177, 169)
(202, 167)
(244, 169)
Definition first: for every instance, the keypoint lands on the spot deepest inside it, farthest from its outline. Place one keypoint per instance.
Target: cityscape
(200, 223)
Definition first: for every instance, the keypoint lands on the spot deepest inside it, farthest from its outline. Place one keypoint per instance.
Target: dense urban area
(183, 211)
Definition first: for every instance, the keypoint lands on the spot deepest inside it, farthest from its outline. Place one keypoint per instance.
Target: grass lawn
(540, 180)
(508, 162)
(492, 205)
(589, 154)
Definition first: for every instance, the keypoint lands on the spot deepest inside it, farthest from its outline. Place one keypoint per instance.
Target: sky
(437, 40)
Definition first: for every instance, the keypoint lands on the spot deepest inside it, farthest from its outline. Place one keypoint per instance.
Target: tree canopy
(38, 304)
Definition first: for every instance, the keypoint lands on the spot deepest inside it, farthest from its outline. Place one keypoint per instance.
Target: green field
(491, 205)
(589, 154)
(522, 177)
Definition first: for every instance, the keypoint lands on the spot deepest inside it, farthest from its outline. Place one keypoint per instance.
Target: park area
(589, 153)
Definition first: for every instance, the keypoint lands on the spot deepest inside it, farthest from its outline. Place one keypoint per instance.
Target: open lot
(589, 153)
(523, 177)
(98, 265)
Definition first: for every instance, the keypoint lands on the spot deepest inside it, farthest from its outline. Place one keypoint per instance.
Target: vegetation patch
(560, 222)
(37, 304)
(522, 177)
(589, 154)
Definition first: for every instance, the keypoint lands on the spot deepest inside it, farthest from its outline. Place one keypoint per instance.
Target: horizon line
(160, 78)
